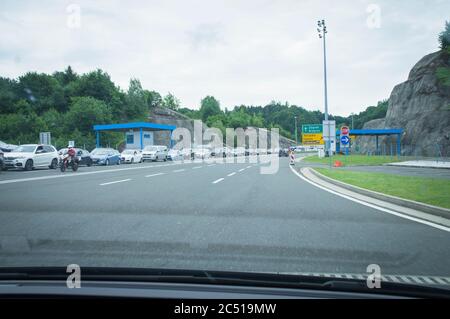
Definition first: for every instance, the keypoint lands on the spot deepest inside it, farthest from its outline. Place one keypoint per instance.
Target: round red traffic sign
(345, 130)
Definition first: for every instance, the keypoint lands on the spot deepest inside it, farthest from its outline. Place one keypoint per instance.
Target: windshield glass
(101, 152)
(25, 149)
(290, 136)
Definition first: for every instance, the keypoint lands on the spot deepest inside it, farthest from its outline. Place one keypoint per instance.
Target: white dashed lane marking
(152, 175)
(115, 182)
(231, 174)
(179, 170)
(218, 181)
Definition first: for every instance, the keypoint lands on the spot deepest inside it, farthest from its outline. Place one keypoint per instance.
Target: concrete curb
(430, 209)
(417, 166)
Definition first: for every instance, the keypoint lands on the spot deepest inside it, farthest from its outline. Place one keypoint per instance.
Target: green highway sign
(312, 129)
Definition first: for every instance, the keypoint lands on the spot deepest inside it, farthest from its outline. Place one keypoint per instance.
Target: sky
(242, 52)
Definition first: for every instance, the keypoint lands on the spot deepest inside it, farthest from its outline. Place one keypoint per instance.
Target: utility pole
(322, 30)
(296, 131)
(352, 120)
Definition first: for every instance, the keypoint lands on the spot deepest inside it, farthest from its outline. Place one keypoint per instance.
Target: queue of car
(31, 156)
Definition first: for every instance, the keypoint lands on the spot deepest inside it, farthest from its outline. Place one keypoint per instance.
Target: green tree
(153, 98)
(84, 113)
(209, 107)
(239, 118)
(66, 77)
(443, 74)
(136, 103)
(444, 37)
(96, 84)
(42, 91)
(8, 95)
(171, 102)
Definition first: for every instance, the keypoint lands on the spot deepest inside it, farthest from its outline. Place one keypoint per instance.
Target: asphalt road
(204, 216)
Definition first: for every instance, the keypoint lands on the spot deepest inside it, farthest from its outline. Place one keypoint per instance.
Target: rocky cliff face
(421, 106)
(169, 117)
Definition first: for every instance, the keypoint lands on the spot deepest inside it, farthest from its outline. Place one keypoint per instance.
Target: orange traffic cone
(338, 164)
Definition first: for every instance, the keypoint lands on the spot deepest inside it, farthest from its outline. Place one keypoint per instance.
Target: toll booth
(137, 135)
(374, 132)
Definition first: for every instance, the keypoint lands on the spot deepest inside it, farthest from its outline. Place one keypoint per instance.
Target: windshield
(290, 136)
(101, 152)
(25, 149)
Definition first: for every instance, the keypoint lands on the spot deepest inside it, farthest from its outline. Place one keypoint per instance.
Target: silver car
(154, 153)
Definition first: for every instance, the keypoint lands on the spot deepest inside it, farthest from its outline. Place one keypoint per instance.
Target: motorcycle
(66, 163)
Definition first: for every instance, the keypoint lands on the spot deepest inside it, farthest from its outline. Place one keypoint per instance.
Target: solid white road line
(102, 171)
(115, 182)
(152, 175)
(231, 174)
(421, 221)
(218, 181)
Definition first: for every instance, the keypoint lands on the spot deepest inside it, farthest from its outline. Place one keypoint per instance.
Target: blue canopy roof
(374, 132)
(136, 125)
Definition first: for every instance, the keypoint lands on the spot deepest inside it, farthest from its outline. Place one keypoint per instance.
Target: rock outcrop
(420, 106)
(170, 117)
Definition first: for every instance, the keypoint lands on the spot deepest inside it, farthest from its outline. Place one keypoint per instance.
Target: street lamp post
(352, 120)
(296, 132)
(322, 30)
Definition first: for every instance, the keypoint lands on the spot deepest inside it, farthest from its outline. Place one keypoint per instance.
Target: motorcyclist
(71, 153)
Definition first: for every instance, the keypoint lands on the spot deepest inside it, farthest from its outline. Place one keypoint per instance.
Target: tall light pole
(352, 120)
(322, 30)
(296, 131)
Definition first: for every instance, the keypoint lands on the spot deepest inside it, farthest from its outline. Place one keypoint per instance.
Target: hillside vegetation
(68, 105)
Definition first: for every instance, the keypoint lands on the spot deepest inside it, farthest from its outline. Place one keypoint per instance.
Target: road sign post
(329, 136)
(312, 134)
(345, 138)
(45, 138)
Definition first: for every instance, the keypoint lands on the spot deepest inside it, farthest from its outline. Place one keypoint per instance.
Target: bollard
(292, 158)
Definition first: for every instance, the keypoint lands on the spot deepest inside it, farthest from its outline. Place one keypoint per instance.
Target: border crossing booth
(137, 135)
(376, 133)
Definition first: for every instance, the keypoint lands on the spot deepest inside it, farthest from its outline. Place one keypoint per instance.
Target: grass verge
(355, 160)
(421, 189)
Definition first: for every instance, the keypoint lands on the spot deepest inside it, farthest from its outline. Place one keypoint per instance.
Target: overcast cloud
(242, 52)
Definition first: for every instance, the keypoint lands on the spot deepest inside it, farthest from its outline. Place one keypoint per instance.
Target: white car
(188, 153)
(131, 156)
(202, 152)
(31, 156)
(222, 152)
(154, 153)
(175, 155)
(238, 151)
